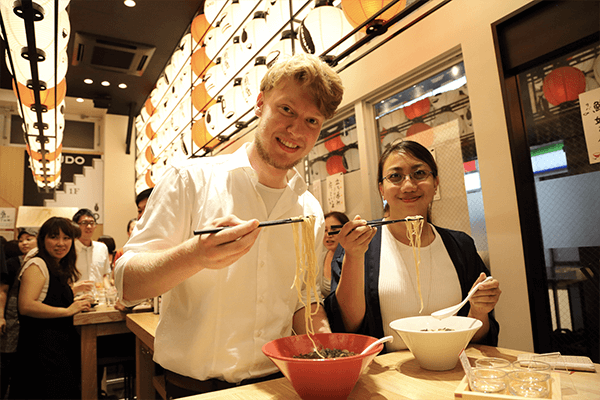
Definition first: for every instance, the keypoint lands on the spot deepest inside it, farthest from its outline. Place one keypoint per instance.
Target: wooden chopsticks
(374, 223)
(262, 224)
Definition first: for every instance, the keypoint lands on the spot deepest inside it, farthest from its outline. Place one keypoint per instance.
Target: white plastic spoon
(450, 311)
(375, 343)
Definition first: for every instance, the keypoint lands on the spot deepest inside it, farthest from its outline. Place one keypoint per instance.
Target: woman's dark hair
(340, 216)
(65, 268)
(411, 148)
(109, 242)
(131, 221)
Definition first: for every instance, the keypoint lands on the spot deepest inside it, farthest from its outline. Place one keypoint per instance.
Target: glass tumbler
(488, 380)
(529, 383)
(493, 362)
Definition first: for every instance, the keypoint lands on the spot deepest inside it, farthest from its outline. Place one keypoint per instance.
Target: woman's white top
(41, 264)
(398, 289)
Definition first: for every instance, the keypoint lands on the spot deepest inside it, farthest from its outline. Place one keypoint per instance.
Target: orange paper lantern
(200, 26)
(149, 132)
(201, 62)
(335, 165)
(358, 11)
(149, 107)
(200, 134)
(51, 156)
(417, 109)
(46, 96)
(563, 84)
(417, 128)
(201, 99)
(334, 143)
(150, 155)
(149, 180)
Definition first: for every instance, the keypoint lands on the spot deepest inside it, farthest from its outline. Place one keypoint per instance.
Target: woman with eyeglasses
(374, 278)
(48, 353)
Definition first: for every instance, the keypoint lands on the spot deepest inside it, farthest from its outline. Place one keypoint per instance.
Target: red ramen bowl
(332, 378)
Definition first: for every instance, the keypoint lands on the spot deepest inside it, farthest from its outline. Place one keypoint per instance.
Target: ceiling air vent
(111, 54)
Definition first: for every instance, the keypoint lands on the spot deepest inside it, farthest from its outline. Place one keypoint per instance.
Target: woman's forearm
(350, 292)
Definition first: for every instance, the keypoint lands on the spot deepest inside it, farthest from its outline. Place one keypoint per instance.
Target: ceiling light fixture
(79, 100)
(122, 86)
(129, 3)
(105, 83)
(88, 81)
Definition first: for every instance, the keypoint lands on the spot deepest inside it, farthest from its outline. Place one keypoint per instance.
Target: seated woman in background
(48, 352)
(378, 281)
(330, 242)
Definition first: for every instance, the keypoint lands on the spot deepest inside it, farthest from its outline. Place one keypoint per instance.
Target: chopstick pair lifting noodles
(260, 225)
(376, 223)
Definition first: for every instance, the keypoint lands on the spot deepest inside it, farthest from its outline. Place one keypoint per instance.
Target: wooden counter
(391, 376)
(101, 321)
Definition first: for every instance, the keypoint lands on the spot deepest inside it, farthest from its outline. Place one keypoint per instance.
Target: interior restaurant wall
(119, 178)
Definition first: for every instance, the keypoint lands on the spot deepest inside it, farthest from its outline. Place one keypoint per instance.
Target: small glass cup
(111, 296)
(529, 383)
(488, 380)
(531, 365)
(493, 362)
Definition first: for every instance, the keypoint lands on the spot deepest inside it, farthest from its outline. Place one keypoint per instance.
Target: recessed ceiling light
(88, 81)
(129, 3)
(79, 100)
(122, 86)
(105, 83)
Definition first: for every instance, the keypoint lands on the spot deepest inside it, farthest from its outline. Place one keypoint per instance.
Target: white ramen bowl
(436, 349)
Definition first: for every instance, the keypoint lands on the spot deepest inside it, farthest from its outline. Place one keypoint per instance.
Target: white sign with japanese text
(589, 104)
(8, 217)
(335, 193)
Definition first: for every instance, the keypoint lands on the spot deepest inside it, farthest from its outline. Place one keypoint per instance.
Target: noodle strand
(414, 227)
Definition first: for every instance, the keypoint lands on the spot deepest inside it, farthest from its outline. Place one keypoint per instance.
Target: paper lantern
(254, 35)
(288, 45)
(322, 28)
(349, 136)
(417, 128)
(278, 13)
(591, 84)
(418, 109)
(214, 120)
(448, 116)
(200, 98)
(252, 79)
(150, 133)
(200, 135)
(200, 25)
(317, 151)
(212, 8)
(149, 179)
(214, 41)
(234, 61)
(563, 84)
(234, 106)
(390, 139)
(46, 96)
(150, 157)
(214, 80)
(140, 184)
(44, 30)
(335, 165)
(46, 70)
(149, 107)
(182, 53)
(334, 142)
(233, 16)
(351, 160)
(358, 11)
(49, 156)
(318, 171)
(51, 168)
(201, 62)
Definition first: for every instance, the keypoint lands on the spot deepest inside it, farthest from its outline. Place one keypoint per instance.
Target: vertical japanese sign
(589, 104)
(335, 193)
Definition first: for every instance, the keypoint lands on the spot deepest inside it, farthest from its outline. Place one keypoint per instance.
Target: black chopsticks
(264, 223)
(374, 223)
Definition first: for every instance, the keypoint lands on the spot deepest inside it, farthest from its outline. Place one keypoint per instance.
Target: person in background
(331, 243)
(130, 226)
(233, 289)
(141, 200)
(93, 261)
(9, 293)
(374, 273)
(48, 352)
(109, 241)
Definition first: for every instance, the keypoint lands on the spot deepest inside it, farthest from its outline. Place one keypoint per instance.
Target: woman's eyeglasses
(417, 176)
(87, 223)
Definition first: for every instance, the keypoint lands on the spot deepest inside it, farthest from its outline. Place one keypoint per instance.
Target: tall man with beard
(226, 294)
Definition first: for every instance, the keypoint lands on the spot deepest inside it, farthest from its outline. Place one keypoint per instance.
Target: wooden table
(390, 376)
(103, 320)
(143, 325)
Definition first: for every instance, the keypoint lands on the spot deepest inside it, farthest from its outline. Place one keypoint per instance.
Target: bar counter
(395, 375)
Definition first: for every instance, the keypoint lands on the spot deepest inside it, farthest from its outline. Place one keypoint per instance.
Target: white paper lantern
(323, 27)
(318, 171)
(392, 120)
(287, 46)
(317, 151)
(44, 30)
(234, 61)
(212, 8)
(233, 16)
(278, 13)
(214, 81)
(390, 138)
(448, 116)
(214, 119)
(214, 42)
(51, 167)
(46, 68)
(234, 105)
(255, 36)
(252, 79)
(349, 136)
(351, 160)
(182, 53)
